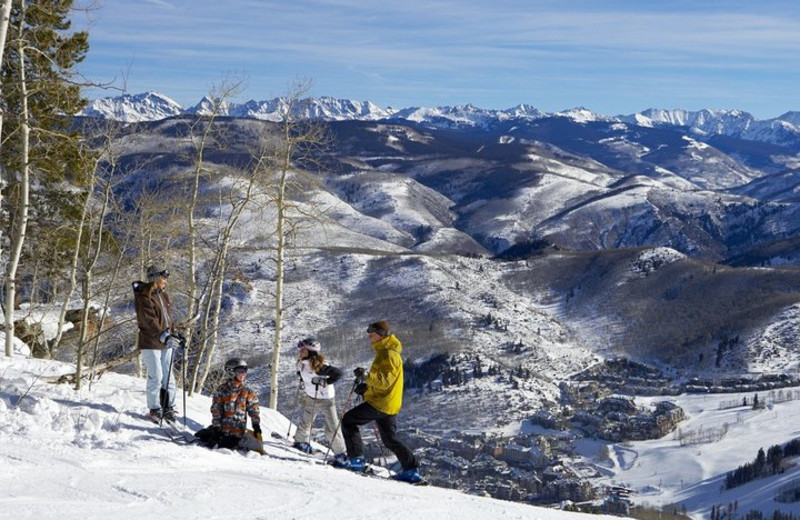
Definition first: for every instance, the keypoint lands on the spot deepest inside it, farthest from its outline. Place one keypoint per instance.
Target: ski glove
(361, 388)
(359, 373)
(332, 373)
(319, 381)
(257, 430)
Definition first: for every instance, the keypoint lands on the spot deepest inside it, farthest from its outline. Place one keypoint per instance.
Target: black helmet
(232, 364)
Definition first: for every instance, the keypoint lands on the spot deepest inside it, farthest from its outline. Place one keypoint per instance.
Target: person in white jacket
(317, 379)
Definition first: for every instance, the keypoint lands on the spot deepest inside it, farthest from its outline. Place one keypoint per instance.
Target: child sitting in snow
(232, 402)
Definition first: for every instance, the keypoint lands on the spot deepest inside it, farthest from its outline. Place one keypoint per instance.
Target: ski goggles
(375, 330)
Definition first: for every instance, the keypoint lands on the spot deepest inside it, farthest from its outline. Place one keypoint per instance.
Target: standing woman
(317, 379)
(154, 318)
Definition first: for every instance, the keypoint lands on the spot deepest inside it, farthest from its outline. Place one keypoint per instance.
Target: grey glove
(173, 342)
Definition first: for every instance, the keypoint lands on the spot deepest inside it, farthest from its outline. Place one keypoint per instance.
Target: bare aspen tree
(92, 247)
(201, 135)
(157, 221)
(107, 216)
(108, 156)
(23, 205)
(105, 281)
(299, 138)
(241, 195)
(111, 276)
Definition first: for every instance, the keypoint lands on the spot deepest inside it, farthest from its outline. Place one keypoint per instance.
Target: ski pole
(379, 441)
(339, 425)
(297, 397)
(183, 376)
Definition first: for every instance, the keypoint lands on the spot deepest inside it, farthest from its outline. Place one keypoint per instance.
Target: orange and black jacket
(231, 404)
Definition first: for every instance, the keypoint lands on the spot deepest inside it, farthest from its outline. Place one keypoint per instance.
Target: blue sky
(610, 56)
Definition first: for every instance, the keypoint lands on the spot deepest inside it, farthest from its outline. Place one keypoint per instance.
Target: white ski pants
(313, 406)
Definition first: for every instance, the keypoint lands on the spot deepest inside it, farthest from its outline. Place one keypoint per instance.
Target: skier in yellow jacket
(382, 389)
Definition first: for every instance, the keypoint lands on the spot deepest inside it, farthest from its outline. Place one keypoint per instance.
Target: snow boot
(357, 464)
(155, 415)
(170, 415)
(411, 476)
(303, 446)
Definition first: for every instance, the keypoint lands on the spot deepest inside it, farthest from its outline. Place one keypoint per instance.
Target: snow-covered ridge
(781, 130)
(652, 259)
(133, 108)
(151, 106)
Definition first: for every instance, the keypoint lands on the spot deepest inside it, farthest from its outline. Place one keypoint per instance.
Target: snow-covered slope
(90, 454)
(690, 474)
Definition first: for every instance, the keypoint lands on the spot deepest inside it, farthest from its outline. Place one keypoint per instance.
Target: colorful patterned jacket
(231, 404)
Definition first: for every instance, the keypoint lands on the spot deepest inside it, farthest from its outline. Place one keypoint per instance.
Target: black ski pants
(387, 429)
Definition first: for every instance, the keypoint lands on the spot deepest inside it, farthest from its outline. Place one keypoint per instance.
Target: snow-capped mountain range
(151, 106)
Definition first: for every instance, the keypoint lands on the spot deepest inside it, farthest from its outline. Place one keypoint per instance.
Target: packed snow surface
(91, 454)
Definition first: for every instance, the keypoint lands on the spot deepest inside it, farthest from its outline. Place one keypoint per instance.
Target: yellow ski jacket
(385, 377)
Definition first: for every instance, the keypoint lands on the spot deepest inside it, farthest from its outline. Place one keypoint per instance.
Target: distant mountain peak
(132, 108)
(792, 117)
(582, 115)
(152, 106)
(208, 106)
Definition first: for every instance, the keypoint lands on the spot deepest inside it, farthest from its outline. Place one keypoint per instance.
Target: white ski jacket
(327, 376)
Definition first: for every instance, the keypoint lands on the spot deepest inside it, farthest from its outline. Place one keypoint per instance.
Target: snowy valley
(553, 278)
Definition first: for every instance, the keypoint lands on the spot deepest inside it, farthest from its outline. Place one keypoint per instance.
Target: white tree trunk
(295, 139)
(94, 249)
(5, 16)
(83, 333)
(214, 307)
(21, 220)
(276, 344)
(73, 276)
